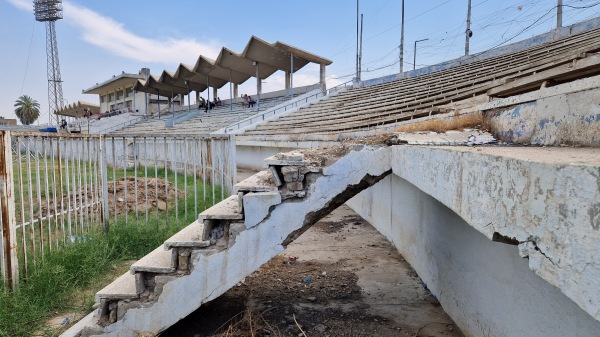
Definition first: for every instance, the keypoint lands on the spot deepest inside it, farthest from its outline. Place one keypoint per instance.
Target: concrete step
(228, 209)
(192, 236)
(260, 204)
(123, 288)
(159, 261)
(260, 182)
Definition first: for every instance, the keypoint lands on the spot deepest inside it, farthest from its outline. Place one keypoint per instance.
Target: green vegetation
(27, 109)
(66, 279)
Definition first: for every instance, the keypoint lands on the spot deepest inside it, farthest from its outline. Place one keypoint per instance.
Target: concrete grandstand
(507, 238)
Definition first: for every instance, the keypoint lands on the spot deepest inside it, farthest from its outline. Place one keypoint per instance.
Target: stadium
(482, 172)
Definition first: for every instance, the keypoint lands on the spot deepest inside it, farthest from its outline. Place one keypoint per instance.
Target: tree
(27, 109)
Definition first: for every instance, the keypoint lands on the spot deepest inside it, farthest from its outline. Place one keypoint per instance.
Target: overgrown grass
(443, 124)
(74, 270)
(64, 272)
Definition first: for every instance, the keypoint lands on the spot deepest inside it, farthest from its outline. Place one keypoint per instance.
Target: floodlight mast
(49, 11)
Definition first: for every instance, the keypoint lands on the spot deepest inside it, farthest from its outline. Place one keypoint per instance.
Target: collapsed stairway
(232, 239)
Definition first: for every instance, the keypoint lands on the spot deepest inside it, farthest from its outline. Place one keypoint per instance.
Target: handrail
(278, 110)
(121, 125)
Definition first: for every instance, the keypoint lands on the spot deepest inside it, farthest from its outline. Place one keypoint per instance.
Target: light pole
(468, 32)
(402, 41)
(559, 10)
(415, 53)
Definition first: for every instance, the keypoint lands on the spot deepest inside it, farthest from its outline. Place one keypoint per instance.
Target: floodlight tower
(48, 11)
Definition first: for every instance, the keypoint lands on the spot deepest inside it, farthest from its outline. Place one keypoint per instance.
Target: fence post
(232, 163)
(104, 188)
(10, 263)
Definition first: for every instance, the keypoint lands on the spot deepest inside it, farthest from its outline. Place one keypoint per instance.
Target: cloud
(22, 4)
(110, 35)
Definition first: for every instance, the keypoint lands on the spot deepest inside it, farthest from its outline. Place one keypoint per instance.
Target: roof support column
(188, 94)
(158, 102)
(287, 80)
(171, 105)
(235, 90)
(214, 93)
(292, 75)
(124, 91)
(146, 99)
(258, 86)
(115, 98)
(208, 93)
(133, 91)
(198, 98)
(230, 92)
(322, 78)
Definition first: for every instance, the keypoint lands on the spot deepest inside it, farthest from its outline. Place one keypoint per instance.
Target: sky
(101, 38)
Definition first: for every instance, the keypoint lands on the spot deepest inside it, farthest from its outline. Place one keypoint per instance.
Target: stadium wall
(566, 114)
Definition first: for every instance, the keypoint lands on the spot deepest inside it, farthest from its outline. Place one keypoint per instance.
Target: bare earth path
(340, 278)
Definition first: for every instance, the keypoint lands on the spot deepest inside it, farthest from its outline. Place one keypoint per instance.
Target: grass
(67, 278)
(53, 285)
(444, 124)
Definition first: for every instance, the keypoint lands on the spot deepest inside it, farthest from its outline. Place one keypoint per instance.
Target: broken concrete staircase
(230, 241)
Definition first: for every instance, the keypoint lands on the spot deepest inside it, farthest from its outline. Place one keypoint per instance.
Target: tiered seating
(97, 125)
(388, 103)
(216, 119)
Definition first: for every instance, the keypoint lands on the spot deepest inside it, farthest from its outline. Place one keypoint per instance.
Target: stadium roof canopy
(117, 82)
(152, 86)
(77, 109)
(232, 67)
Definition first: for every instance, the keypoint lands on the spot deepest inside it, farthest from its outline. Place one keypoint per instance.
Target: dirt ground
(158, 189)
(160, 193)
(340, 278)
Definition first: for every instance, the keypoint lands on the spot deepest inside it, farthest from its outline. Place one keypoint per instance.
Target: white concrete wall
(485, 286)
(252, 157)
(549, 116)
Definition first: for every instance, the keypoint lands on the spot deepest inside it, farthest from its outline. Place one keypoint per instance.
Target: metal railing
(286, 107)
(62, 188)
(121, 125)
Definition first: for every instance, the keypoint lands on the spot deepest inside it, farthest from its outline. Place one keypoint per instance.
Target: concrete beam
(544, 199)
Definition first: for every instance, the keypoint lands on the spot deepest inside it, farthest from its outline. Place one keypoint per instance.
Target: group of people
(209, 105)
(247, 101)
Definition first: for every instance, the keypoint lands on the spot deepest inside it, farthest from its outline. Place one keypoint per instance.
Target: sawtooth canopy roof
(152, 86)
(116, 83)
(234, 61)
(228, 67)
(168, 78)
(278, 55)
(77, 109)
(207, 66)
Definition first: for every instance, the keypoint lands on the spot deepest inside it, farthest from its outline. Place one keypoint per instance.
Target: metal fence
(59, 188)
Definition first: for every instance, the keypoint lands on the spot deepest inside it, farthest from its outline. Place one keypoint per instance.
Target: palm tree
(27, 109)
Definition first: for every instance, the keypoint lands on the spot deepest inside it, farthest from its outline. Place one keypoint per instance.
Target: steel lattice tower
(48, 11)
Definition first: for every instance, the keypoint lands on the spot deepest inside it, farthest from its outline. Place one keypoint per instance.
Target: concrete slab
(282, 159)
(454, 138)
(122, 288)
(189, 237)
(260, 182)
(225, 210)
(159, 261)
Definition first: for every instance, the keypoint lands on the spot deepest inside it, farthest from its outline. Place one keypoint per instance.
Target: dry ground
(340, 278)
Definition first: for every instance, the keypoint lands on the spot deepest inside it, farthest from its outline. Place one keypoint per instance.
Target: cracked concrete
(521, 198)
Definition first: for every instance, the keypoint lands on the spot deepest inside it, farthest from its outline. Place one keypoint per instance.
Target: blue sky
(101, 38)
